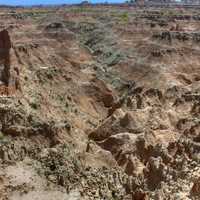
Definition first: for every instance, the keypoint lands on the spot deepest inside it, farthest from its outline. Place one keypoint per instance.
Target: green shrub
(124, 17)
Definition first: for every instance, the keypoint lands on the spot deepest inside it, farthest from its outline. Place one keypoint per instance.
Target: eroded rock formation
(5, 46)
(110, 105)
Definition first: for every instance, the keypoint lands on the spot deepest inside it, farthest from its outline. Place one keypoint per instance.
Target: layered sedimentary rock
(9, 73)
(5, 46)
(110, 105)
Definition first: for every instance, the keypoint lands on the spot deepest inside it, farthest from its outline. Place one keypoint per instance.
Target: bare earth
(99, 103)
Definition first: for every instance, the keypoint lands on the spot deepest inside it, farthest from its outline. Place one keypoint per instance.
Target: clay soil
(99, 103)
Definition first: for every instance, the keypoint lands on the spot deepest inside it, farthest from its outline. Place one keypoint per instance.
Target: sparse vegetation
(124, 17)
(104, 105)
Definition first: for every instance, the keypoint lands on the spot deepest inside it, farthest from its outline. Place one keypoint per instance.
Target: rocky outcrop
(145, 142)
(177, 35)
(9, 74)
(195, 191)
(5, 46)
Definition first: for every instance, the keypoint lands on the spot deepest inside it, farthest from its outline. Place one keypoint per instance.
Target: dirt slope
(99, 103)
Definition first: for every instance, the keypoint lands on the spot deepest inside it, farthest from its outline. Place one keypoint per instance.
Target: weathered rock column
(5, 46)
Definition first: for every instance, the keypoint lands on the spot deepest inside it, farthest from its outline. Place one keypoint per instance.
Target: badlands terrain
(99, 103)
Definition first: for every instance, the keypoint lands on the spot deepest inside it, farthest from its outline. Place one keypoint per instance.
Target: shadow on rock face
(9, 73)
(5, 46)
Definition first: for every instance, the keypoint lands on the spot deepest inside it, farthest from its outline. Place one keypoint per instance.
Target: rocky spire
(5, 46)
